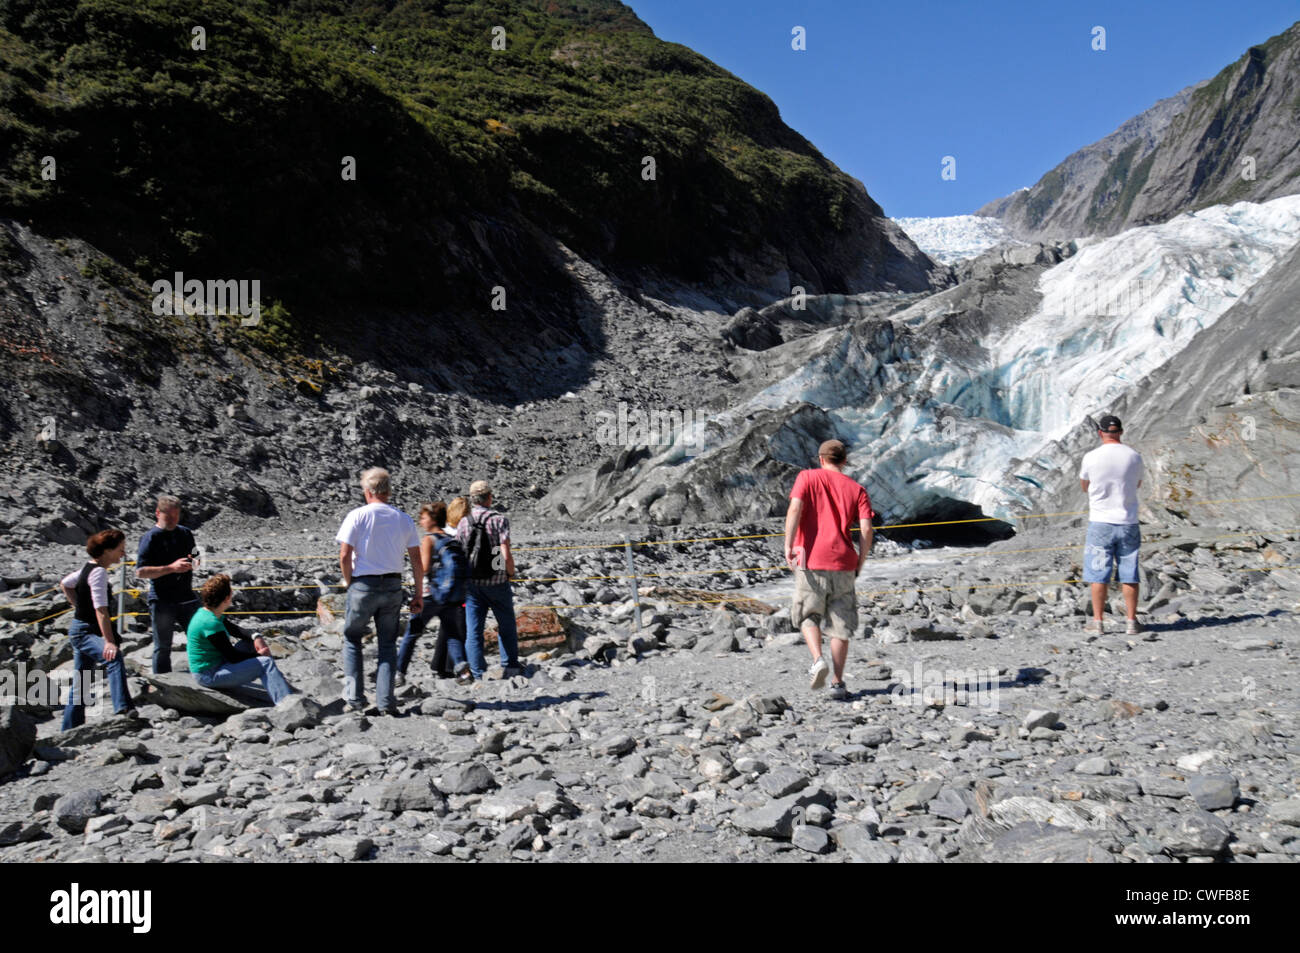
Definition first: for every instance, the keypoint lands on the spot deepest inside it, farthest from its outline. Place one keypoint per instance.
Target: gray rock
(777, 818)
(73, 812)
(916, 854)
(1040, 718)
(915, 796)
(817, 814)
(201, 794)
(621, 827)
(1194, 834)
(355, 753)
(505, 807)
(17, 738)
(1213, 792)
(1159, 786)
(615, 743)
(1037, 843)
(1286, 812)
(415, 795)
(781, 781)
(871, 735)
(1094, 766)
(348, 847)
(19, 832)
(296, 711)
(470, 778)
(812, 839)
(949, 804)
(179, 691)
(716, 642)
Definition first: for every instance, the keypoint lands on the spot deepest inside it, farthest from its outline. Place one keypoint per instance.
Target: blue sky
(1009, 88)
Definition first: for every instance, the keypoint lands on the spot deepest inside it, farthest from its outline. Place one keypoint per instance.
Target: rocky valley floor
(697, 737)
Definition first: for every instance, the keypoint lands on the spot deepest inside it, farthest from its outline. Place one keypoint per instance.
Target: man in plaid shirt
(491, 591)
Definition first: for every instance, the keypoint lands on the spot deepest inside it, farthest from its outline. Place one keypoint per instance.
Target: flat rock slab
(1032, 842)
(179, 691)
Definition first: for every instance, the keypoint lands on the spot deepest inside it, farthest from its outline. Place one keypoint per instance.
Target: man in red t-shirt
(824, 505)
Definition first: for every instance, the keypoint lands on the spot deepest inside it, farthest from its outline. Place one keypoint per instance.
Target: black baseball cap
(1110, 424)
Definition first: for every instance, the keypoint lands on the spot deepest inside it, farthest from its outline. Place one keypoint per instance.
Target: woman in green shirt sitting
(214, 661)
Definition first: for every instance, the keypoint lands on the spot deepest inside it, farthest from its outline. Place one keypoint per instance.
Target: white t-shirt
(1113, 472)
(98, 582)
(380, 536)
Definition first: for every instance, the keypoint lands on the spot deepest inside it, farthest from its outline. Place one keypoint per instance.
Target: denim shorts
(1109, 545)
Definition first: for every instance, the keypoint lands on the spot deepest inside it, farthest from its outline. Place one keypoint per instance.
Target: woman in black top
(92, 633)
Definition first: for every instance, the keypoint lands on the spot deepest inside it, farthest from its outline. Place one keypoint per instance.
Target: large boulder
(179, 691)
(17, 738)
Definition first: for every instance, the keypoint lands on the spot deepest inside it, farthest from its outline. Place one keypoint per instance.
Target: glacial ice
(983, 427)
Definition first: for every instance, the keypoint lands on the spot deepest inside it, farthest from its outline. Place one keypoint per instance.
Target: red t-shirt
(832, 505)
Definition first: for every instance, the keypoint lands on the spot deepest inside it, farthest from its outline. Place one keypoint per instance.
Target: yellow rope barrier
(34, 596)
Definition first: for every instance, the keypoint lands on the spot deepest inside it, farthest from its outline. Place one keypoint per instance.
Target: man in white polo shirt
(1111, 475)
(371, 541)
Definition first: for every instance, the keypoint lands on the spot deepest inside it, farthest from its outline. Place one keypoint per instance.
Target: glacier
(953, 238)
(982, 430)
(969, 397)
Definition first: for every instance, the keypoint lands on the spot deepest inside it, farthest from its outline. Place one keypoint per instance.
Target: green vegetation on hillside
(228, 160)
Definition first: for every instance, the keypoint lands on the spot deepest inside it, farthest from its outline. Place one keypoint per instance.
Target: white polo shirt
(379, 535)
(1112, 471)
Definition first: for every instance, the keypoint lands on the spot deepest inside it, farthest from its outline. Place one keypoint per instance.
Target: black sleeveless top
(85, 608)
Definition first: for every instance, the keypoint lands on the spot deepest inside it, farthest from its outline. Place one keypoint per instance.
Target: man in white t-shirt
(371, 541)
(1111, 475)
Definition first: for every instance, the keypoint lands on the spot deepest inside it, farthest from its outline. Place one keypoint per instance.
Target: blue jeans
(1109, 545)
(380, 600)
(451, 636)
(231, 674)
(166, 616)
(88, 653)
(501, 600)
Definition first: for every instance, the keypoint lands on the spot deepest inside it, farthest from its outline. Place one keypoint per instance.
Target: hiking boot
(399, 680)
(1133, 627)
(839, 692)
(817, 674)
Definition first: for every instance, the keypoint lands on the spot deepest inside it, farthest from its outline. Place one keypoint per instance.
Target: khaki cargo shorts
(826, 597)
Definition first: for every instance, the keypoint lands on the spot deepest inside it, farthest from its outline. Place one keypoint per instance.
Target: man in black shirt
(164, 559)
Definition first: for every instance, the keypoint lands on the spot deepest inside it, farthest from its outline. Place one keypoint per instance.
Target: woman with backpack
(444, 592)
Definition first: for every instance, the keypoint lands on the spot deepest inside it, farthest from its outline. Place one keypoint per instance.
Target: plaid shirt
(498, 530)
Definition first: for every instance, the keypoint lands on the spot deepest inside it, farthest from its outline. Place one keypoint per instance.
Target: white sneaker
(1095, 628)
(1134, 627)
(818, 673)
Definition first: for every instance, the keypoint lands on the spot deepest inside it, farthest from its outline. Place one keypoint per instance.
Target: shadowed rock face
(1185, 153)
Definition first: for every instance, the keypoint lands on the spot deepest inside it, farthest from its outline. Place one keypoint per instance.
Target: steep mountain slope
(471, 163)
(1233, 138)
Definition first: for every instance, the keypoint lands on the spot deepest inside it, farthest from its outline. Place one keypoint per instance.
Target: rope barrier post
(636, 594)
(121, 598)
